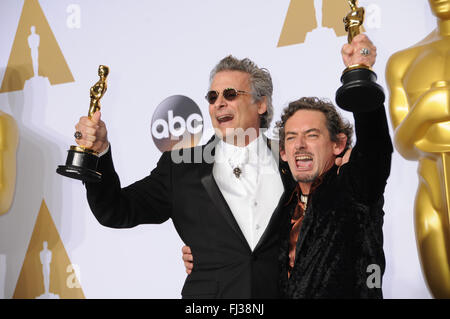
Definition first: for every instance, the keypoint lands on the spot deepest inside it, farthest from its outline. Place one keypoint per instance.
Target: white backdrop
(156, 49)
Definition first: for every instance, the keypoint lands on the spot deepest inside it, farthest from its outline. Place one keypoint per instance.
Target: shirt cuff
(104, 152)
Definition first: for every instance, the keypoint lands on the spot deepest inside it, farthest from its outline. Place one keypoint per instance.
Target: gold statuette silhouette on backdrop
(82, 162)
(9, 139)
(419, 84)
(359, 91)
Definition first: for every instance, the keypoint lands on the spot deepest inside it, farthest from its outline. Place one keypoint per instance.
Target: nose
(300, 143)
(220, 102)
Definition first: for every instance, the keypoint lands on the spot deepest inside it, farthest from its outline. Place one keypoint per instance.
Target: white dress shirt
(254, 195)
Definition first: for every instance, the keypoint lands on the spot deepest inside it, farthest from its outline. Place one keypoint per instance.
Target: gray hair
(260, 82)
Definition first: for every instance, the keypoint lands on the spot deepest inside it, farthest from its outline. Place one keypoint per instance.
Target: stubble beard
(306, 179)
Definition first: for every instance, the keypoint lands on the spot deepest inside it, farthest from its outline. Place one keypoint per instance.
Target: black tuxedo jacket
(186, 192)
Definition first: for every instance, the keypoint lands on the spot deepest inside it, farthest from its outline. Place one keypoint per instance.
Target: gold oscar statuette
(418, 79)
(82, 162)
(359, 91)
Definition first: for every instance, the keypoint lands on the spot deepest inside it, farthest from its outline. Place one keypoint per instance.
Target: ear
(283, 155)
(339, 146)
(262, 106)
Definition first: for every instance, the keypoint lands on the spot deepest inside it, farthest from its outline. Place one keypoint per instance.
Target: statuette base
(80, 165)
(359, 92)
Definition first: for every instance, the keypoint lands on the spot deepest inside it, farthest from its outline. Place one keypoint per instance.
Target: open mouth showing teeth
(224, 118)
(304, 161)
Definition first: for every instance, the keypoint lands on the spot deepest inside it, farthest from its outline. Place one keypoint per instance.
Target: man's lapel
(288, 183)
(274, 225)
(210, 185)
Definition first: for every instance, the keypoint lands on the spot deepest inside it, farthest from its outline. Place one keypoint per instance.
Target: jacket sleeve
(147, 201)
(370, 161)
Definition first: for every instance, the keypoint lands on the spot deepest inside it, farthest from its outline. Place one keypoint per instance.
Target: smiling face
(240, 113)
(308, 148)
(440, 8)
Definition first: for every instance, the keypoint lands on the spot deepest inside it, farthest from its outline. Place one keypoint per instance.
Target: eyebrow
(305, 132)
(312, 130)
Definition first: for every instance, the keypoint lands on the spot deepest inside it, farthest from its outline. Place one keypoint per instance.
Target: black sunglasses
(229, 94)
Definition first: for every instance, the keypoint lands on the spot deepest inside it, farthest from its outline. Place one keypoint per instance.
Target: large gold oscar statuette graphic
(81, 162)
(359, 92)
(419, 83)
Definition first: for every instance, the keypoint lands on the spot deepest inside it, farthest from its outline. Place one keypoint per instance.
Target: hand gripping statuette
(82, 162)
(359, 92)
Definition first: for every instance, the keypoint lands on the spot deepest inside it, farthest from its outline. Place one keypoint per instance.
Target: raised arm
(371, 156)
(143, 202)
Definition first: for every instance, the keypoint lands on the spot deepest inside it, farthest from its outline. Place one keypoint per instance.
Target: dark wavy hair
(334, 121)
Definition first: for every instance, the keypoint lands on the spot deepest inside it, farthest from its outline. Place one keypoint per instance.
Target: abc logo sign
(176, 123)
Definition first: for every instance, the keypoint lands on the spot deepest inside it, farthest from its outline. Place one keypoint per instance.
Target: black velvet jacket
(341, 235)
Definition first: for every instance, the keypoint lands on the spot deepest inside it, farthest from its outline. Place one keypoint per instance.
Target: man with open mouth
(333, 238)
(332, 244)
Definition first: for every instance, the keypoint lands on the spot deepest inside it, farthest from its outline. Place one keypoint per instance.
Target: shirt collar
(298, 191)
(255, 148)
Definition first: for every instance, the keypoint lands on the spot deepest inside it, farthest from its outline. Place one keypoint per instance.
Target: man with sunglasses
(225, 206)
